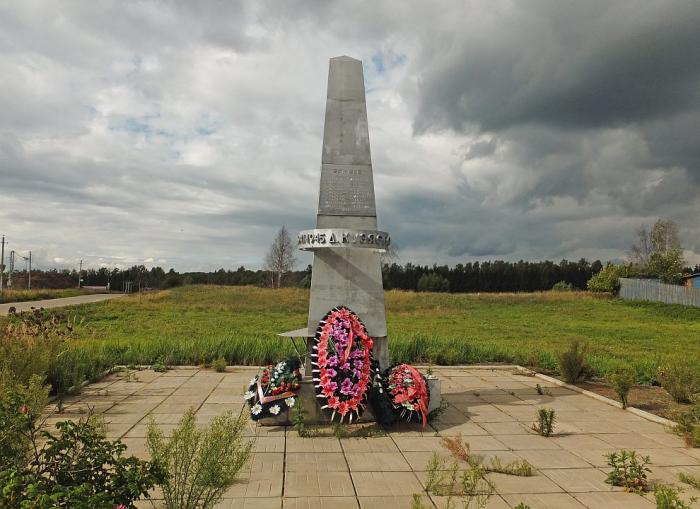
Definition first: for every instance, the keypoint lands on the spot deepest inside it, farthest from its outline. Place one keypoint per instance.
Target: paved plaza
(492, 409)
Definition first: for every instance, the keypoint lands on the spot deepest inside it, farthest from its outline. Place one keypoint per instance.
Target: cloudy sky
(184, 134)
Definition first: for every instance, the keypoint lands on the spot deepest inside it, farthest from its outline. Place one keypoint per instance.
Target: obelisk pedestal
(346, 244)
(347, 266)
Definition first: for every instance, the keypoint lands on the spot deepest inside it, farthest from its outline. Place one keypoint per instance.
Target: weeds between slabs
(668, 497)
(692, 480)
(629, 471)
(542, 391)
(445, 477)
(545, 422)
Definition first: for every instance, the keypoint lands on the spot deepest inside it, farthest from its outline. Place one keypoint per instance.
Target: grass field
(27, 295)
(196, 324)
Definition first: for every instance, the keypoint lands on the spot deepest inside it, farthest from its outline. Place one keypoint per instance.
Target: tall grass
(28, 295)
(198, 324)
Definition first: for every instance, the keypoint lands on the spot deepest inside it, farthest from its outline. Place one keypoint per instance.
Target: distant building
(691, 281)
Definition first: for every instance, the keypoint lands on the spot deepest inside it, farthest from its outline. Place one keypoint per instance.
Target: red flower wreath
(342, 364)
(408, 392)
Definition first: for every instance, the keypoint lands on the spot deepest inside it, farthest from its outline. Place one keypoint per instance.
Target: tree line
(496, 276)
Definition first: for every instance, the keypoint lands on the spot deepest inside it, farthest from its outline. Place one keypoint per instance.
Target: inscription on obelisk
(348, 275)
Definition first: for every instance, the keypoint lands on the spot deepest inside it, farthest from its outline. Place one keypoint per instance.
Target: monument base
(313, 415)
(435, 391)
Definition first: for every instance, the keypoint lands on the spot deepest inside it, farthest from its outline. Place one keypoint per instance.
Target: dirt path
(57, 303)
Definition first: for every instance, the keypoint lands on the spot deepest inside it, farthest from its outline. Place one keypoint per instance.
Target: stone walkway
(491, 408)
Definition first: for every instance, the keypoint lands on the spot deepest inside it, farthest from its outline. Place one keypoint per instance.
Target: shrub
(522, 505)
(219, 365)
(607, 280)
(199, 463)
(622, 379)
(680, 380)
(433, 282)
(629, 471)
(563, 286)
(667, 497)
(77, 467)
(572, 363)
(545, 422)
(19, 407)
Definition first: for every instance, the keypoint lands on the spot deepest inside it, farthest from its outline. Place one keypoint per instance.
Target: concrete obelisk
(346, 244)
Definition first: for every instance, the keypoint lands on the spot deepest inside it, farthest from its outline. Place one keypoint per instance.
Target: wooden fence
(652, 290)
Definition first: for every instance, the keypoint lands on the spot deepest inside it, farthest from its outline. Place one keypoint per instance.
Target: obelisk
(346, 244)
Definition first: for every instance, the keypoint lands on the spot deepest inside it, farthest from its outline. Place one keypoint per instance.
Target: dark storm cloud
(565, 64)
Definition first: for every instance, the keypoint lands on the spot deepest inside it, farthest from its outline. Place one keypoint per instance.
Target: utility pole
(12, 269)
(29, 285)
(2, 263)
(80, 273)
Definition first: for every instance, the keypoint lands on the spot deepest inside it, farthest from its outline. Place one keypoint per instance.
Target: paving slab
(323, 462)
(491, 409)
(380, 484)
(614, 500)
(372, 461)
(317, 484)
(320, 503)
(545, 501)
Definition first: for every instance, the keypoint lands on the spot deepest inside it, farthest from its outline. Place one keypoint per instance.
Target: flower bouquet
(342, 364)
(274, 390)
(408, 392)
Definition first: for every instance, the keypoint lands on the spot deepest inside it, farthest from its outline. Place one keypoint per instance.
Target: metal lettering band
(338, 237)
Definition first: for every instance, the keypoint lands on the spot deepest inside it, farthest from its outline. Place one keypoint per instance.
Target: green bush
(563, 286)
(199, 463)
(572, 363)
(607, 280)
(19, 407)
(681, 380)
(76, 467)
(622, 378)
(433, 282)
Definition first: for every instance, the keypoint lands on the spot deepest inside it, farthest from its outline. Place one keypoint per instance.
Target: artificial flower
(275, 409)
(290, 402)
(256, 409)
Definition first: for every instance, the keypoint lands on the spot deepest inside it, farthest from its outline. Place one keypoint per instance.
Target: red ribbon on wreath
(418, 391)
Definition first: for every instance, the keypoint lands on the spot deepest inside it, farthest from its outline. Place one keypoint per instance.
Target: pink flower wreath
(342, 364)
